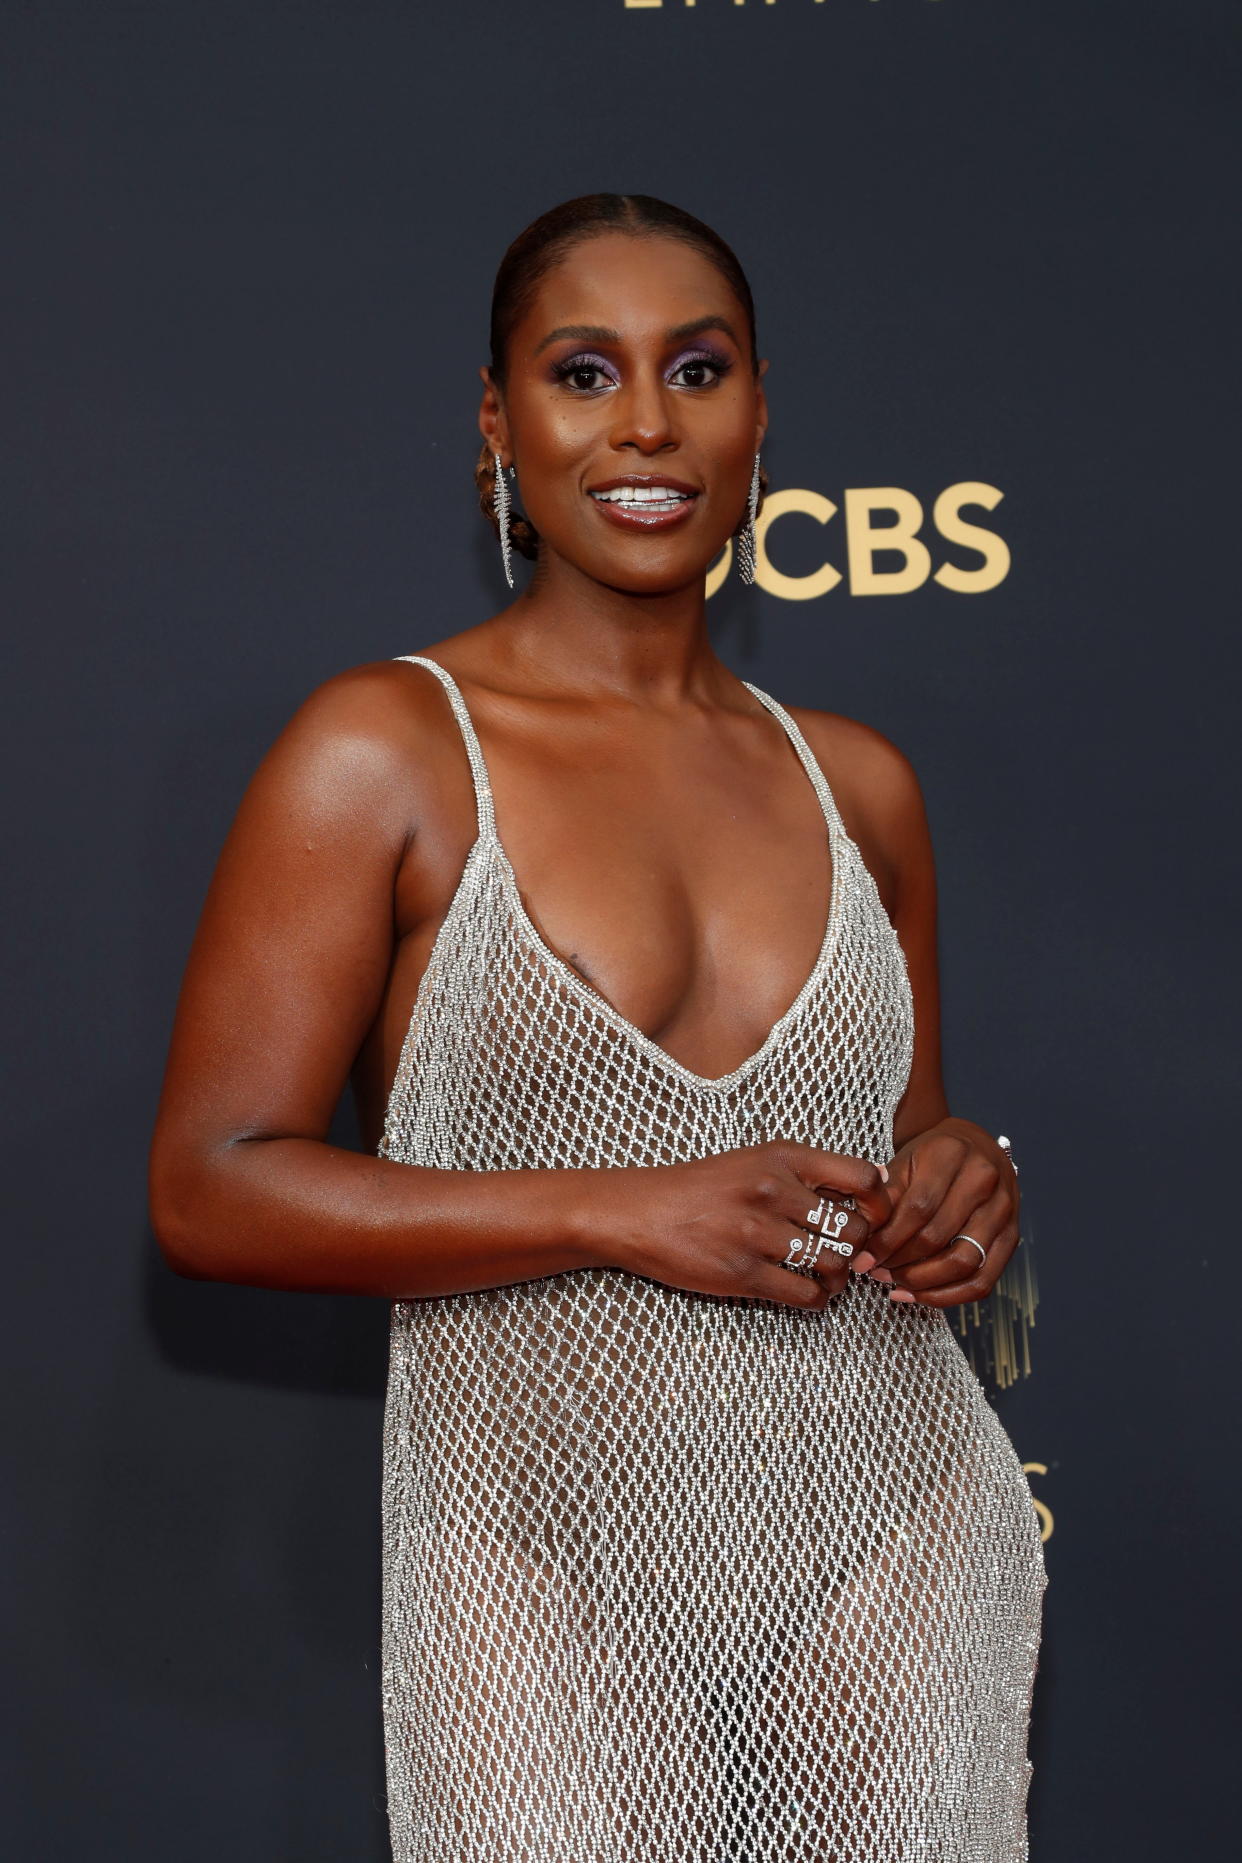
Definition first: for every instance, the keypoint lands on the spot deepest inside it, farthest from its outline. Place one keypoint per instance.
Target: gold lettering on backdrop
(993, 549)
(1045, 1513)
(792, 588)
(865, 540)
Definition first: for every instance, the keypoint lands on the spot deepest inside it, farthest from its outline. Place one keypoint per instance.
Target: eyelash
(577, 365)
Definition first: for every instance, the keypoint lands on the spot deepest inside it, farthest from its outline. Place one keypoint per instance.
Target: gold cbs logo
(865, 539)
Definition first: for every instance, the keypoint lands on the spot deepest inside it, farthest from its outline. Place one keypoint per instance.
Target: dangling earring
(501, 505)
(746, 540)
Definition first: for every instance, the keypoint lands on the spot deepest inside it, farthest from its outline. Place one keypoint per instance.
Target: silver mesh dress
(670, 1577)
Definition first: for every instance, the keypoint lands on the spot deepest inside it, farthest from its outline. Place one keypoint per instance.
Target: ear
(493, 422)
(761, 406)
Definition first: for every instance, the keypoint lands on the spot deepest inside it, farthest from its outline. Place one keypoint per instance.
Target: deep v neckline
(637, 1037)
(836, 841)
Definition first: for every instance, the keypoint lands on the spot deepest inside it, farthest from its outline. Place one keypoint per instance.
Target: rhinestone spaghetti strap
(672, 1578)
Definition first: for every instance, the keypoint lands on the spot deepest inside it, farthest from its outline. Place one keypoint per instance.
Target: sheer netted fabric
(672, 1578)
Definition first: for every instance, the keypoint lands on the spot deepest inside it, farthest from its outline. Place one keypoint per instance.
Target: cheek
(732, 455)
(546, 420)
(555, 444)
(725, 430)
(572, 436)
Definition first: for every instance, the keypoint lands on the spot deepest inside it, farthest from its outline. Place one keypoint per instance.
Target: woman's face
(631, 411)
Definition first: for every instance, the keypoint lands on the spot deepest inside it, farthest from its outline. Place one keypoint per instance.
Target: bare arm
(949, 1176)
(881, 801)
(284, 979)
(901, 818)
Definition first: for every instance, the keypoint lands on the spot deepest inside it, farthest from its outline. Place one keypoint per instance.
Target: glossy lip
(645, 478)
(639, 517)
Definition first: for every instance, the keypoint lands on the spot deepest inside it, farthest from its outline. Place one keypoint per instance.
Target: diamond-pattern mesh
(672, 1578)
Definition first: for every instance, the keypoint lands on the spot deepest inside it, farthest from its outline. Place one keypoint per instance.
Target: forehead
(639, 286)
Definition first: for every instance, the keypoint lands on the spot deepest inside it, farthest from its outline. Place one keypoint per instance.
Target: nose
(643, 415)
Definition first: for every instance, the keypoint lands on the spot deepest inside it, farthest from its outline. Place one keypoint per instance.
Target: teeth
(662, 495)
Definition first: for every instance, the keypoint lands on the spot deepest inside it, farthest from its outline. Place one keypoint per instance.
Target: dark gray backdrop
(249, 254)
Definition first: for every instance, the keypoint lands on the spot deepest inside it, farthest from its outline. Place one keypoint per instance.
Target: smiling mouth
(643, 497)
(637, 503)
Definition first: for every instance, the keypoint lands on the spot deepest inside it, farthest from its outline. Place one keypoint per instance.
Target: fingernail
(883, 1170)
(901, 1293)
(882, 1275)
(863, 1263)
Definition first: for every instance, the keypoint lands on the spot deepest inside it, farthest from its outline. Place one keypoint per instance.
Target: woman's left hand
(952, 1180)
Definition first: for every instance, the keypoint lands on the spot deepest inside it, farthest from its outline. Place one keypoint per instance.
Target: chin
(652, 582)
(628, 571)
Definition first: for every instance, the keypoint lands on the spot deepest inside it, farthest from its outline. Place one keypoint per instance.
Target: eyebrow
(598, 333)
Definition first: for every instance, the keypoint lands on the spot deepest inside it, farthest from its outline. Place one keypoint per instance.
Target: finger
(936, 1168)
(835, 1171)
(792, 1206)
(832, 1218)
(975, 1185)
(824, 1252)
(791, 1290)
(832, 1271)
(978, 1286)
(958, 1260)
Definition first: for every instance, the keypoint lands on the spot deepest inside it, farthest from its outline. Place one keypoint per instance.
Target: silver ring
(805, 1251)
(834, 1214)
(983, 1254)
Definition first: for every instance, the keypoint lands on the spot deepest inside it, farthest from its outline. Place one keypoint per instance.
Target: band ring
(983, 1254)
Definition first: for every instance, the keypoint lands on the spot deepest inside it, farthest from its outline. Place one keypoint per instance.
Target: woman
(700, 1540)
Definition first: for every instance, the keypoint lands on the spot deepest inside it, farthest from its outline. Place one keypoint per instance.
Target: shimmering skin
(670, 1577)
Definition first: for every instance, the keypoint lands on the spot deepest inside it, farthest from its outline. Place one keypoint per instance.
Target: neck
(570, 632)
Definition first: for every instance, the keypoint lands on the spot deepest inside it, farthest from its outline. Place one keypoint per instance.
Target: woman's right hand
(723, 1225)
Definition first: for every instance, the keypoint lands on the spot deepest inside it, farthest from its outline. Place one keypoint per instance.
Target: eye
(584, 375)
(700, 371)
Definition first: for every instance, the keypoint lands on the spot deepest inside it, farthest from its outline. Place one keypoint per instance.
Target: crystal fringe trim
(996, 1332)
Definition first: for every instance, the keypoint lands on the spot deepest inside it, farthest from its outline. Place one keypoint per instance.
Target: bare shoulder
(374, 735)
(876, 786)
(880, 800)
(378, 705)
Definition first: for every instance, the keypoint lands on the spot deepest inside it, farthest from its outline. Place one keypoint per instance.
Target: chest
(686, 877)
(675, 880)
(513, 1060)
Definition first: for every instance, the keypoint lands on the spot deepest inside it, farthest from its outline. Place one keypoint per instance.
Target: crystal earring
(501, 504)
(746, 540)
